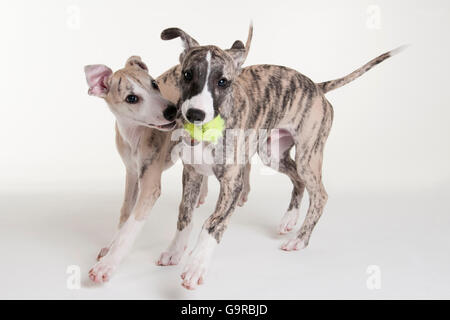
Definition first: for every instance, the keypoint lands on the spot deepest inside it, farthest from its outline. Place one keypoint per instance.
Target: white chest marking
(204, 100)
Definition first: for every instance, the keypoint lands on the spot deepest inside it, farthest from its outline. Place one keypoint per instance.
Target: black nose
(195, 115)
(170, 113)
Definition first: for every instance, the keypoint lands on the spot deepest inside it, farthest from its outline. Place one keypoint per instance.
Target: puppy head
(207, 75)
(132, 94)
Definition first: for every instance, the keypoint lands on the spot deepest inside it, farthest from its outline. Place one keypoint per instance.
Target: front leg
(193, 183)
(131, 191)
(231, 186)
(149, 191)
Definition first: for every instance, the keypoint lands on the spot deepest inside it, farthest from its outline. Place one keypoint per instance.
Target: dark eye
(187, 75)
(155, 85)
(132, 99)
(222, 82)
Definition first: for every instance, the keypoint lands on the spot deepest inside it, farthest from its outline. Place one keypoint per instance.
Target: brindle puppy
(288, 105)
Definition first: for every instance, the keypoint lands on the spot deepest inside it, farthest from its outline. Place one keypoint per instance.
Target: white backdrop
(391, 128)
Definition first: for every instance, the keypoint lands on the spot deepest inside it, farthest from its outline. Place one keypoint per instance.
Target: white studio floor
(405, 235)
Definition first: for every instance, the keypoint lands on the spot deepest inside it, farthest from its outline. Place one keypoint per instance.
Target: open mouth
(168, 126)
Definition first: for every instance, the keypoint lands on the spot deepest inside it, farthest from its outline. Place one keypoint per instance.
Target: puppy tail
(334, 84)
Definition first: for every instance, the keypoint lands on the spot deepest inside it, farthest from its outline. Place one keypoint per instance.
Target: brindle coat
(256, 97)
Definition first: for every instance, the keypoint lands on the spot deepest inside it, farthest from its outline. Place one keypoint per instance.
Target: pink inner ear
(96, 77)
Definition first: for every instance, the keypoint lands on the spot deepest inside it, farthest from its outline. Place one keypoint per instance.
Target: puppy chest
(199, 156)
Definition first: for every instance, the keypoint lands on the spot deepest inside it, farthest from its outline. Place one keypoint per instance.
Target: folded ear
(97, 76)
(136, 61)
(188, 41)
(238, 45)
(172, 33)
(238, 51)
(238, 54)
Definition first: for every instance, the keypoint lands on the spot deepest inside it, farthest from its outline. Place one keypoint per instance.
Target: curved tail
(249, 39)
(334, 84)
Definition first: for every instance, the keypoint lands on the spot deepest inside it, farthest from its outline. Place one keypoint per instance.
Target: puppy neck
(130, 131)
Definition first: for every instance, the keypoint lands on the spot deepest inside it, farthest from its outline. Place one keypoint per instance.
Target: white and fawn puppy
(144, 121)
(145, 117)
(289, 107)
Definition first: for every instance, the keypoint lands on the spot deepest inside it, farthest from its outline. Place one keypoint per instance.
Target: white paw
(170, 257)
(195, 271)
(102, 270)
(293, 244)
(288, 221)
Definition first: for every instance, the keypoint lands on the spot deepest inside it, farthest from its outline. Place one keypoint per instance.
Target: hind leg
(309, 155)
(277, 156)
(203, 192)
(290, 218)
(244, 195)
(318, 198)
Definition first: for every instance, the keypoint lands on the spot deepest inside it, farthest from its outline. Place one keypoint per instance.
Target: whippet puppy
(289, 107)
(145, 118)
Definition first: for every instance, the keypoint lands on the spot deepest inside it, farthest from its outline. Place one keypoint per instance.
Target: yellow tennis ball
(210, 131)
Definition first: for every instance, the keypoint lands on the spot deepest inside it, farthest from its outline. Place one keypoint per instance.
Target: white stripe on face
(202, 101)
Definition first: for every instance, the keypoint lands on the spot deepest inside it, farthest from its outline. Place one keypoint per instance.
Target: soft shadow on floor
(56, 230)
